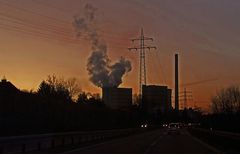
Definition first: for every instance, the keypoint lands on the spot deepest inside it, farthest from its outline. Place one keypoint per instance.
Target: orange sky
(37, 39)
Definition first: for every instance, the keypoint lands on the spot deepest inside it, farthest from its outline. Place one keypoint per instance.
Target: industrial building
(117, 98)
(156, 99)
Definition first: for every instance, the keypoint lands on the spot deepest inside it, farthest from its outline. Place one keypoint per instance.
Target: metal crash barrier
(227, 141)
(23, 144)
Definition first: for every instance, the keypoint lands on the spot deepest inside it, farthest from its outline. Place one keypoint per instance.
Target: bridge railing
(23, 144)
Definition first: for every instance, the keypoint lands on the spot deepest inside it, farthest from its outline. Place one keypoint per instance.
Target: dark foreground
(154, 142)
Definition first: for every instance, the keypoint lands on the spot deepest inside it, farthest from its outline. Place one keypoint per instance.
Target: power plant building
(156, 99)
(117, 98)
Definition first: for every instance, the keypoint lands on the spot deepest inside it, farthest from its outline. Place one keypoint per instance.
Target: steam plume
(102, 73)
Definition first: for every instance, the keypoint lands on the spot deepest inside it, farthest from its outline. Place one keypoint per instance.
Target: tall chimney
(176, 83)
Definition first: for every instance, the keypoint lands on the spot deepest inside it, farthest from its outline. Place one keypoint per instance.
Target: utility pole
(141, 48)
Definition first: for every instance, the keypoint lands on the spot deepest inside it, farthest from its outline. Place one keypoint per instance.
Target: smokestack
(176, 84)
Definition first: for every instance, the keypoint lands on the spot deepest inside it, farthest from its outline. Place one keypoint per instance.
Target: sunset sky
(37, 39)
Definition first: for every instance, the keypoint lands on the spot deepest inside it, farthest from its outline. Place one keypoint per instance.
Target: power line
(200, 82)
(37, 33)
(34, 23)
(18, 30)
(61, 21)
(153, 65)
(43, 3)
(36, 27)
(161, 68)
(36, 13)
(56, 31)
(61, 10)
(44, 36)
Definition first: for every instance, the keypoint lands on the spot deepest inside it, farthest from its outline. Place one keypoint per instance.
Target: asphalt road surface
(155, 142)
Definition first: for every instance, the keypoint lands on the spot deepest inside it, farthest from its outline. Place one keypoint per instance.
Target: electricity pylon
(186, 96)
(141, 48)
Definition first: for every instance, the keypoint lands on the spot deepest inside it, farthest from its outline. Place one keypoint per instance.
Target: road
(155, 142)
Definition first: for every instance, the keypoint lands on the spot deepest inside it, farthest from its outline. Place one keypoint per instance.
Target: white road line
(205, 144)
(153, 144)
(98, 144)
(85, 148)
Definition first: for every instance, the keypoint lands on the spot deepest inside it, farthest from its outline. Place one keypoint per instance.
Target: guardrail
(23, 144)
(226, 141)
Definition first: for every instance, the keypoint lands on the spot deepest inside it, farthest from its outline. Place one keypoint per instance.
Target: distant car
(165, 125)
(191, 125)
(174, 128)
(144, 126)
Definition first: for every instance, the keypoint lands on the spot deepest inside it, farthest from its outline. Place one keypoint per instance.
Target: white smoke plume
(102, 73)
(118, 70)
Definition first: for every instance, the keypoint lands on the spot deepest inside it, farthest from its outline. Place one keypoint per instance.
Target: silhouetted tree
(54, 89)
(95, 99)
(88, 98)
(50, 109)
(227, 100)
(45, 89)
(61, 84)
(73, 87)
(82, 97)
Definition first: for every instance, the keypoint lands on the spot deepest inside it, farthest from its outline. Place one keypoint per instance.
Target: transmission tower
(141, 48)
(186, 96)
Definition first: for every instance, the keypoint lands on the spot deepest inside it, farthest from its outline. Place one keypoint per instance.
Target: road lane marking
(153, 144)
(204, 144)
(84, 148)
(102, 143)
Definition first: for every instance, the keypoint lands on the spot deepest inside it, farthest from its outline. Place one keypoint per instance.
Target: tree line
(58, 105)
(225, 107)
